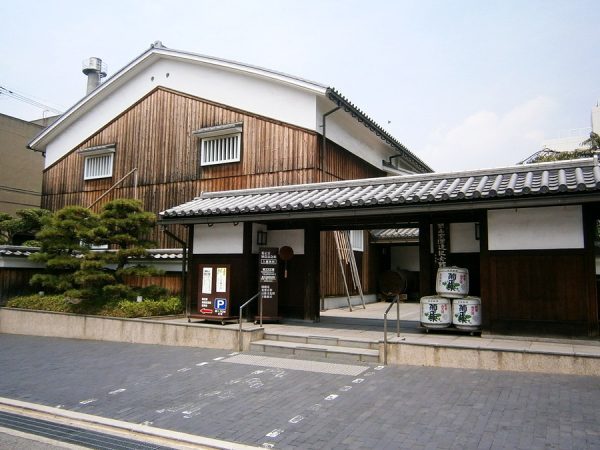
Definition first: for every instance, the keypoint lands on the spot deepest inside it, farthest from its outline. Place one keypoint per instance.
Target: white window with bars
(220, 149)
(98, 166)
(220, 144)
(357, 240)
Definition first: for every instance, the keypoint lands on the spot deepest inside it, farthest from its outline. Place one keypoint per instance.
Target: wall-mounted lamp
(477, 232)
(235, 224)
(210, 225)
(261, 238)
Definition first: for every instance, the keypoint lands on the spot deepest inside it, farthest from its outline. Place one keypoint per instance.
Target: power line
(23, 98)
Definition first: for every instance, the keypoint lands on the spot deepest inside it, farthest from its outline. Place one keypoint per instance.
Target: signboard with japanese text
(214, 291)
(441, 244)
(268, 280)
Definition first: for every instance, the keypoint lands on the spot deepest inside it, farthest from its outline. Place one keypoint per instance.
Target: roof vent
(95, 70)
(157, 44)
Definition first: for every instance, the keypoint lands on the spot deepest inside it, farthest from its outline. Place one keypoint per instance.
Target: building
(21, 170)
(527, 234)
(571, 140)
(172, 125)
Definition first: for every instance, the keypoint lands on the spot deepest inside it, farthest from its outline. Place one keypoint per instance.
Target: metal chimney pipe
(95, 70)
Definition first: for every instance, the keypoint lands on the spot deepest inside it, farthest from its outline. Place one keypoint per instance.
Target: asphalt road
(285, 404)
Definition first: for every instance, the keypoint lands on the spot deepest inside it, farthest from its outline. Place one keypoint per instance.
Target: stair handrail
(396, 300)
(260, 315)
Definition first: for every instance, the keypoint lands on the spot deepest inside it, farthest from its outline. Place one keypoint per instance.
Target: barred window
(100, 166)
(220, 144)
(220, 149)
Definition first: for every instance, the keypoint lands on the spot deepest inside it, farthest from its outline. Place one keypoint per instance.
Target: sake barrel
(436, 312)
(466, 313)
(452, 282)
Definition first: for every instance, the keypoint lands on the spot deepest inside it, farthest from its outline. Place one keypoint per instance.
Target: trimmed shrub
(121, 308)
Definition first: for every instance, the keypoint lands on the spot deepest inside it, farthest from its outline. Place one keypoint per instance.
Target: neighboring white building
(572, 139)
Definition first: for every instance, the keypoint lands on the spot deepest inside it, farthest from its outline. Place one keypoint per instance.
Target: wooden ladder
(346, 255)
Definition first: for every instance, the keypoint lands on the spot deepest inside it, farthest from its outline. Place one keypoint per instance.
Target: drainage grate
(298, 364)
(72, 435)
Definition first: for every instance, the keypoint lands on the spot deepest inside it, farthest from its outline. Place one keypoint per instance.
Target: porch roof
(559, 182)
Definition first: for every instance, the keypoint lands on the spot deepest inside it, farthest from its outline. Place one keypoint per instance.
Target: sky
(463, 84)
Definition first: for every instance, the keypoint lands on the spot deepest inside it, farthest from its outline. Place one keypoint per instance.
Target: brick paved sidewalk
(287, 404)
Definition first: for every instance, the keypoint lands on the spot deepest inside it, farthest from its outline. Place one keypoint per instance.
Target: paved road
(279, 403)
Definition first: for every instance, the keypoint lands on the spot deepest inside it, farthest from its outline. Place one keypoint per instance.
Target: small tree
(124, 226)
(15, 230)
(593, 142)
(75, 268)
(64, 239)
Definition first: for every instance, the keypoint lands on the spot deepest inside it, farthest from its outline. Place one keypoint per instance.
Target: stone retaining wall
(138, 331)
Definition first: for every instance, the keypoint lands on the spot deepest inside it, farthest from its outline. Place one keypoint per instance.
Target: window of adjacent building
(220, 144)
(357, 240)
(98, 162)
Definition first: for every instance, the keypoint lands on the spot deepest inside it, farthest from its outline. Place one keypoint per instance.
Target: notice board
(267, 281)
(214, 291)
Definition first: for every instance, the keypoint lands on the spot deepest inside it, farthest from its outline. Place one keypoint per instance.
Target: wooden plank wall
(156, 136)
(170, 281)
(14, 282)
(538, 291)
(332, 281)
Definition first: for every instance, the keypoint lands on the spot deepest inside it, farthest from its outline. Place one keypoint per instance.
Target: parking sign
(220, 304)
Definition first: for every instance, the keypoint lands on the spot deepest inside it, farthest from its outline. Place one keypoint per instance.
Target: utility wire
(22, 98)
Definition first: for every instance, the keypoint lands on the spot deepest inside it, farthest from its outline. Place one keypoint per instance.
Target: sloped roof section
(159, 51)
(336, 97)
(402, 235)
(526, 181)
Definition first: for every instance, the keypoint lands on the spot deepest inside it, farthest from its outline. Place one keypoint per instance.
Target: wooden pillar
(590, 216)
(426, 268)
(487, 298)
(312, 253)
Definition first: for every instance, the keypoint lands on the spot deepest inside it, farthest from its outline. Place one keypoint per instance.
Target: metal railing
(260, 315)
(396, 300)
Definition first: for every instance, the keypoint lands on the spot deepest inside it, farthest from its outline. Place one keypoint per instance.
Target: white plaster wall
(256, 227)
(221, 238)
(462, 238)
(405, 258)
(535, 228)
(291, 238)
(231, 87)
(345, 131)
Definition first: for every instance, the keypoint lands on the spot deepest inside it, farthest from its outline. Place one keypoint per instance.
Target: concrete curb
(113, 426)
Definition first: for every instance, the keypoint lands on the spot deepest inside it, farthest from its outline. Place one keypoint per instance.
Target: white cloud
(489, 139)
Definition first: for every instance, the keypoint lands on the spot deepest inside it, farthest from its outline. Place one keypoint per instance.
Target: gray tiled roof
(525, 181)
(17, 250)
(153, 253)
(396, 234)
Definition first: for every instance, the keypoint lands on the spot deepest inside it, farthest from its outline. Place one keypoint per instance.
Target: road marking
(358, 380)
(218, 358)
(88, 401)
(117, 391)
(202, 364)
(379, 368)
(331, 397)
(276, 432)
(185, 369)
(296, 419)
(345, 388)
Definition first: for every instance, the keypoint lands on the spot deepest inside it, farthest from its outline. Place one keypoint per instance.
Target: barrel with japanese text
(436, 312)
(466, 313)
(452, 282)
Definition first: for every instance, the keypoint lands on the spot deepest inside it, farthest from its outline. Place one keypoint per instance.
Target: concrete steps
(318, 347)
